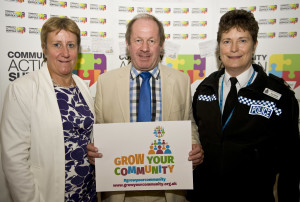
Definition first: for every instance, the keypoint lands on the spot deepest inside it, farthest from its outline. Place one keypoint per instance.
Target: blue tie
(144, 110)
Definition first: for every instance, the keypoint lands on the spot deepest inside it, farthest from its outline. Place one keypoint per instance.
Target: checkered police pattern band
(264, 103)
(207, 98)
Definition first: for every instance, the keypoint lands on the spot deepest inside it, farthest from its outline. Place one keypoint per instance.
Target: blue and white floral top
(77, 120)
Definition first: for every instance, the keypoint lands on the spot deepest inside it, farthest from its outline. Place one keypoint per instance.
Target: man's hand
(196, 155)
(92, 153)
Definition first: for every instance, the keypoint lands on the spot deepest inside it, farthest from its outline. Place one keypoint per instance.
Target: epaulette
(281, 81)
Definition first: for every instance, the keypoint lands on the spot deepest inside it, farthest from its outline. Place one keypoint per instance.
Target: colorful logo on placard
(193, 65)
(286, 66)
(89, 66)
(159, 161)
(167, 36)
(159, 145)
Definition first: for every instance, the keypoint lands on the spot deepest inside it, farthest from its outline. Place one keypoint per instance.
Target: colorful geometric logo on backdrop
(89, 66)
(271, 21)
(185, 23)
(83, 5)
(102, 21)
(167, 36)
(159, 145)
(185, 10)
(102, 34)
(184, 36)
(35, 2)
(294, 6)
(83, 19)
(203, 10)
(166, 23)
(292, 34)
(193, 65)
(83, 33)
(43, 2)
(42, 16)
(286, 66)
(20, 14)
(271, 34)
(251, 8)
(148, 10)
(63, 4)
(272, 7)
(293, 20)
(167, 10)
(203, 23)
(130, 9)
(21, 30)
(102, 7)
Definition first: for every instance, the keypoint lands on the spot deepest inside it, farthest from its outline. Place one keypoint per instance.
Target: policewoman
(247, 122)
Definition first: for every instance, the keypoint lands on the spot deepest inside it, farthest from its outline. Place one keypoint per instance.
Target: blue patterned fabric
(77, 120)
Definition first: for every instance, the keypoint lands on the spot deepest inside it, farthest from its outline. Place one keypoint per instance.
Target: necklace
(72, 85)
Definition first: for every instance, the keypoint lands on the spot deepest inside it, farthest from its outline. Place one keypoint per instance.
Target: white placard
(143, 156)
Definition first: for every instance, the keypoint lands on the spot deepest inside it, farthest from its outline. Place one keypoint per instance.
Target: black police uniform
(260, 140)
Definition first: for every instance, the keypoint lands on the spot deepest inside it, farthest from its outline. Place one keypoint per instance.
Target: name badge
(261, 111)
(272, 93)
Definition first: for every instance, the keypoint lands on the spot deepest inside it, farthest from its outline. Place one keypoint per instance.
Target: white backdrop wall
(190, 28)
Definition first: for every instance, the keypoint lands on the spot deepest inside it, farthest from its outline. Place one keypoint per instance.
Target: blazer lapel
(167, 88)
(123, 92)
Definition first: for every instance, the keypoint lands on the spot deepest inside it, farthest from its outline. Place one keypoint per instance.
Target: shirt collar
(135, 73)
(243, 78)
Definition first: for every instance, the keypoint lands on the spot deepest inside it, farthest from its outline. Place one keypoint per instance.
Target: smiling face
(144, 46)
(61, 52)
(236, 50)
